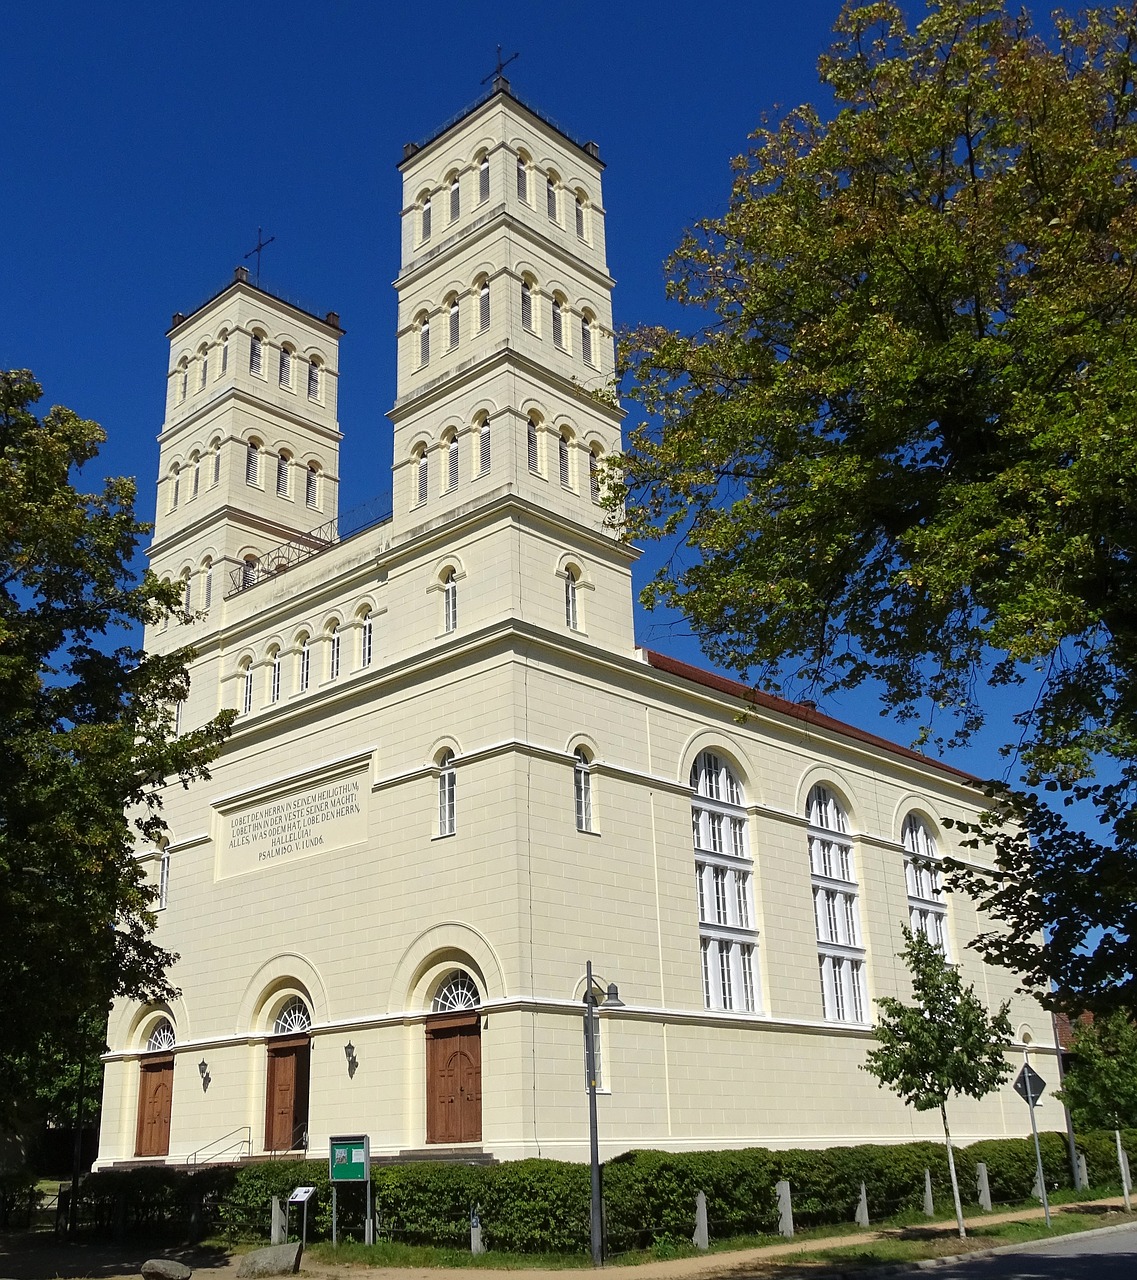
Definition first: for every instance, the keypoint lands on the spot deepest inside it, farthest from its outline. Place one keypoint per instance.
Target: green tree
(944, 1044)
(1100, 1087)
(901, 446)
(87, 737)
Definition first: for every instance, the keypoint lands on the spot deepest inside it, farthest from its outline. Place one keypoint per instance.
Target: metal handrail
(245, 1142)
(306, 545)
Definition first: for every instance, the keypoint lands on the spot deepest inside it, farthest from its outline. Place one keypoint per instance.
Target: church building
(455, 779)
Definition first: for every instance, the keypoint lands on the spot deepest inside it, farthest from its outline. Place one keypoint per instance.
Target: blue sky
(147, 143)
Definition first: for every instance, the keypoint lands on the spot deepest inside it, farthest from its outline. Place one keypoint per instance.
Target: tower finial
(500, 83)
(257, 249)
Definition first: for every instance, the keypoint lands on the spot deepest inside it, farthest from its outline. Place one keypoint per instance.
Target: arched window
(248, 571)
(836, 913)
(594, 474)
(484, 306)
(484, 445)
(274, 675)
(175, 486)
(563, 458)
(293, 1019)
(246, 687)
(216, 447)
(927, 909)
(459, 991)
(203, 356)
(723, 885)
(483, 178)
(425, 232)
(312, 486)
(551, 197)
(187, 591)
(531, 444)
(527, 305)
(282, 461)
(580, 215)
(305, 663)
(454, 322)
(424, 339)
(162, 1038)
(334, 651)
(452, 462)
(285, 367)
(558, 324)
(450, 601)
(366, 636)
(570, 598)
(586, 337)
(522, 178)
(224, 350)
(164, 892)
(256, 343)
(582, 787)
(313, 379)
(455, 198)
(183, 381)
(252, 463)
(423, 470)
(195, 484)
(447, 788)
(207, 590)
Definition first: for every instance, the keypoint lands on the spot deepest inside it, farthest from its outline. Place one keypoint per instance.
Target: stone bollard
(785, 1209)
(929, 1201)
(278, 1232)
(1082, 1173)
(982, 1186)
(701, 1238)
(862, 1218)
(476, 1245)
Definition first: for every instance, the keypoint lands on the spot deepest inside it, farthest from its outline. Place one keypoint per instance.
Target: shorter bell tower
(249, 450)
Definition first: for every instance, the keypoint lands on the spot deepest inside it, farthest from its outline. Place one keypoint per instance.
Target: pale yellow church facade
(454, 778)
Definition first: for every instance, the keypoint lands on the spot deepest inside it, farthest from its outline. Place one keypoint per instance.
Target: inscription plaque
(318, 818)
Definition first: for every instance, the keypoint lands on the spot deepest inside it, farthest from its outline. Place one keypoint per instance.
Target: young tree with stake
(944, 1044)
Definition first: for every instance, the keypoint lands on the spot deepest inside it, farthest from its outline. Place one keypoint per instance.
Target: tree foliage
(901, 446)
(944, 1044)
(87, 734)
(1100, 1087)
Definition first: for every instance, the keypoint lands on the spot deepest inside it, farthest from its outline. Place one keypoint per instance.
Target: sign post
(301, 1196)
(350, 1161)
(1029, 1086)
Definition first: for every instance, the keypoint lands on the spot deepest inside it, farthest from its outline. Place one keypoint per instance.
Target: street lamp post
(611, 1001)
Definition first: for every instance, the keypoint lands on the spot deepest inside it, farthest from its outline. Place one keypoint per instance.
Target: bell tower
(505, 353)
(249, 450)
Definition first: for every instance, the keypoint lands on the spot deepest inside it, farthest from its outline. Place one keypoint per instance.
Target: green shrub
(246, 1209)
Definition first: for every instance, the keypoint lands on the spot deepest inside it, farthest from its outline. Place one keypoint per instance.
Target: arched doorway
(155, 1092)
(454, 1062)
(289, 1059)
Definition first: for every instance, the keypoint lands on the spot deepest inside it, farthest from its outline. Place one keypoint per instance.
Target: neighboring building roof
(796, 710)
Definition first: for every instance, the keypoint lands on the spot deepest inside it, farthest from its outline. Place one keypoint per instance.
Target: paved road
(1110, 1255)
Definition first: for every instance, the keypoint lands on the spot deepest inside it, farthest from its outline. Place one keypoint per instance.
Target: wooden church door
(155, 1095)
(286, 1118)
(454, 1078)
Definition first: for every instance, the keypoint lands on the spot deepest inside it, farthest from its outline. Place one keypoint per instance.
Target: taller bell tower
(505, 354)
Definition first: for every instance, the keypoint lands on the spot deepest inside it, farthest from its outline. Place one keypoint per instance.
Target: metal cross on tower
(495, 74)
(257, 249)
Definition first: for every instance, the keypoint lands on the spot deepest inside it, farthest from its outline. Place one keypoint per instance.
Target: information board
(350, 1159)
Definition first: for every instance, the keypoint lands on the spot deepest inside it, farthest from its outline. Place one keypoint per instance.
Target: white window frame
(256, 355)
(163, 880)
(484, 446)
(366, 639)
(836, 909)
(450, 602)
(582, 789)
(572, 612)
(447, 795)
(927, 905)
(484, 179)
(724, 886)
(274, 677)
(305, 664)
(334, 653)
(452, 463)
(312, 486)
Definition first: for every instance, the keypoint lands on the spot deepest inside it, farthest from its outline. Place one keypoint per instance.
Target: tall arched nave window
(841, 954)
(927, 908)
(723, 886)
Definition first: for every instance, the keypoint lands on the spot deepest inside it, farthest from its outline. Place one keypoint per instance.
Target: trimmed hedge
(542, 1206)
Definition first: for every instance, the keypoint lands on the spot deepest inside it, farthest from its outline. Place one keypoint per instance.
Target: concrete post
(982, 1186)
(862, 1218)
(929, 1202)
(701, 1238)
(279, 1231)
(785, 1209)
(476, 1245)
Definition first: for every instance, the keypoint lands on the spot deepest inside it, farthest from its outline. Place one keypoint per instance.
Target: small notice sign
(301, 1195)
(350, 1159)
(1029, 1085)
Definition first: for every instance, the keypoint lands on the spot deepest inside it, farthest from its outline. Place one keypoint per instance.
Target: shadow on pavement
(42, 1257)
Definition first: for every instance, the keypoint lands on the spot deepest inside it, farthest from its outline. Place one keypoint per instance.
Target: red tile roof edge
(795, 710)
